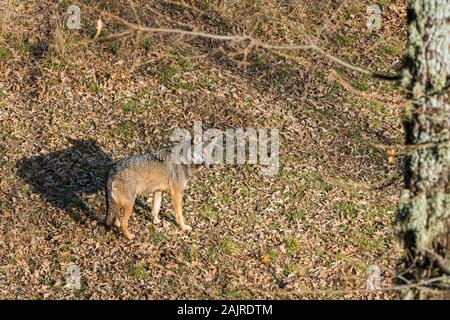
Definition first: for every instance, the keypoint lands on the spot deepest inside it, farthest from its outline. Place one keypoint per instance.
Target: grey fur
(130, 171)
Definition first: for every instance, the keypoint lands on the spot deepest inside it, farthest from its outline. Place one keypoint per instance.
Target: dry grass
(68, 106)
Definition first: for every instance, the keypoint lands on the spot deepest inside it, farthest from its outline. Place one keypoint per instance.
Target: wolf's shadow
(63, 177)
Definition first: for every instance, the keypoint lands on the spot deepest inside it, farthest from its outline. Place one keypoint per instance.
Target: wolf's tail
(111, 207)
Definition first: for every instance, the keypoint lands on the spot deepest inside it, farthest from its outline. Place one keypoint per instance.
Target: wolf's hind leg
(157, 197)
(112, 212)
(127, 211)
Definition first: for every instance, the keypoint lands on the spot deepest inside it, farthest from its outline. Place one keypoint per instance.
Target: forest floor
(70, 105)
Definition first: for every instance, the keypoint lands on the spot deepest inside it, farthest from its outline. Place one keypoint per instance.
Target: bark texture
(423, 219)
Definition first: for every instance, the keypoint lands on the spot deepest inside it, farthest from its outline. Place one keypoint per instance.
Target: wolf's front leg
(157, 197)
(177, 200)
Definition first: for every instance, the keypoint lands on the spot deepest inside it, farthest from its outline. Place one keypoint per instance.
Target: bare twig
(438, 260)
(357, 68)
(251, 43)
(375, 99)
(117, 35)
(99, 28)
(405, 149)
(137, 27)
(136, 16)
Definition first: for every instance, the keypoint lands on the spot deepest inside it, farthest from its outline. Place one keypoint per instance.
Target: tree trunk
(423, 219)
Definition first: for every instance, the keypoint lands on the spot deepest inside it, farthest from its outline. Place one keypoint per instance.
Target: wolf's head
(195, 156)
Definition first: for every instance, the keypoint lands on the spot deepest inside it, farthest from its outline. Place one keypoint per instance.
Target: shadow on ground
(64, 176)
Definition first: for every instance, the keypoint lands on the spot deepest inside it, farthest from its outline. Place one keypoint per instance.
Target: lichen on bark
(424, 213)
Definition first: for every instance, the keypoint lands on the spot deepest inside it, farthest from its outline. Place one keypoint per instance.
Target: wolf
(151, 173)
